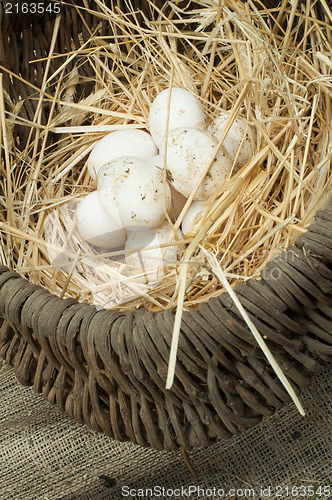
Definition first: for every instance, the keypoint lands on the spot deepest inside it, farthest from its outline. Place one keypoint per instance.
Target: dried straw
(216, 269)
(278, 79)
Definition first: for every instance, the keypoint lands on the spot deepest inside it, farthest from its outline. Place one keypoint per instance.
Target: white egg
(136, 188)
(97, 227)
(177, 199)
(232, 141)
(125, 142)
(147, 257)
(188, 153)
(195, 209)
(185, 111)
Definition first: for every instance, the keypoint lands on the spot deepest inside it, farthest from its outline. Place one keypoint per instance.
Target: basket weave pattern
(107, 369)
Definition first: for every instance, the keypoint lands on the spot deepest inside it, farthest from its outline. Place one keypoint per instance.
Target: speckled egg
(233, 139)
(136, 188)
(188, 153)
(185, 111)
(124, 142)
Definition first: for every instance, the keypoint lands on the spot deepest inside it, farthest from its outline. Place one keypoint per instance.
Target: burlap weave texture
(44, 455)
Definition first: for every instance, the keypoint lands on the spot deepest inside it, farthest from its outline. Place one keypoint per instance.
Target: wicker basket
(107, 369)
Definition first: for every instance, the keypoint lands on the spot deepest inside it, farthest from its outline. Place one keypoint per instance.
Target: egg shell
(177, 199)
(185, 111)
(195, 209)
(156, 257)
(97, 227)
(136, 188)
(188, 153)
(124, 142)
(232, 141)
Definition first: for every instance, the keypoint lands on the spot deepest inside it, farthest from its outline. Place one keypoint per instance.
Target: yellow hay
(224, 53)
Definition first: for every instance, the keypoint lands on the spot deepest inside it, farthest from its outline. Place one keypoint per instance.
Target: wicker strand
(107, 369)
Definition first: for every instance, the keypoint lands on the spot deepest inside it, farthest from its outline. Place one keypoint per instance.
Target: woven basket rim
(121, 380)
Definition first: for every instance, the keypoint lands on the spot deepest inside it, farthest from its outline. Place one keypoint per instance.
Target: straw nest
(269, 66)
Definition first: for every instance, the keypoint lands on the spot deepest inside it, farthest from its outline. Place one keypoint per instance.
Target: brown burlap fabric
(46, 455)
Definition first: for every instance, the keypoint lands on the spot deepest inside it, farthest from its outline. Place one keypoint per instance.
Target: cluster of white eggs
(129, 205)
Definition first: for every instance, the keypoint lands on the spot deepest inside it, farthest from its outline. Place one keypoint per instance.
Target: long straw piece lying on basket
(181, 283)
(217, 271)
